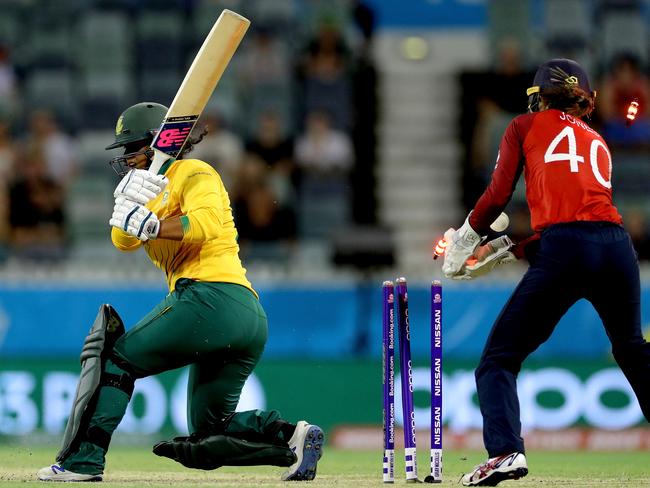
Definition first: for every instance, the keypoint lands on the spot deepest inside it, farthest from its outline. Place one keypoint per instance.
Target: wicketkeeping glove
(487, 257)
(461, 244)
(135, 219)
(140, 186)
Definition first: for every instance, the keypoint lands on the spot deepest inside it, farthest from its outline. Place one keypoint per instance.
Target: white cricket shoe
(307, 444)
(508, 467)
(57, 473)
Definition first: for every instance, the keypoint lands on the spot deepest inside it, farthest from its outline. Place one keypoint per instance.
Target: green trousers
(217, 329)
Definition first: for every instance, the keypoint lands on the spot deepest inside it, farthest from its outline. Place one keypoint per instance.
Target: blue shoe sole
(312, 451)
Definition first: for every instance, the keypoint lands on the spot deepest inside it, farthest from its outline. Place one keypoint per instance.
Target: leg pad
(214, 451)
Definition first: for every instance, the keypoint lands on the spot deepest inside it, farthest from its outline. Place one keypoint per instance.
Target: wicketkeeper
(579, 250)
(211, 321)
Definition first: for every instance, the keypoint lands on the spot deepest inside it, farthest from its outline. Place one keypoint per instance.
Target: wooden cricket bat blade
(196, 89)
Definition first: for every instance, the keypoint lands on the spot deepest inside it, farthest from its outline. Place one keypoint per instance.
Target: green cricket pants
(217, 329)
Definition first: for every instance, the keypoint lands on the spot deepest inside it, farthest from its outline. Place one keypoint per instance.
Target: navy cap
(557, 72)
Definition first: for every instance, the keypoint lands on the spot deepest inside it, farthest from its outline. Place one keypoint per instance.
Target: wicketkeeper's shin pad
(221, 450)
(107, 328)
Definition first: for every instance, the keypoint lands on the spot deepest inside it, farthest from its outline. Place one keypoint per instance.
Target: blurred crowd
(619, 70)
(291, 127)
(283, 128)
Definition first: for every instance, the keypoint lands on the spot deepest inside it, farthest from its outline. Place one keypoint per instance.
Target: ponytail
(569, 98)
(192, 141)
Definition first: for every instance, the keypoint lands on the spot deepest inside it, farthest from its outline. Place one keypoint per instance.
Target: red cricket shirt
(567, 167)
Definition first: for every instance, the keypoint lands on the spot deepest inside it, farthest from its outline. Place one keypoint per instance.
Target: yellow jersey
(209, 249)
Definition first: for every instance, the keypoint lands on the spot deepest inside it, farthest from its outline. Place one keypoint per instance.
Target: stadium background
(352, 134)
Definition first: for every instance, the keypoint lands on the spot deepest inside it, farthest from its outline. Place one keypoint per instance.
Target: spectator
(265, 61)
(7, 163)
(337, 13)
(505, 94)
(36, 216)
(259, 213)
(7, 150)
(59, 151)
(8, 82)
(508, 80)
(265, 73)
(270, 144)
(220, 147)
(326, 76)
(276, 151)
(490, 99)
(324, 156)
(322, 148)
(364, 80)
(624, 83)
(364, 19)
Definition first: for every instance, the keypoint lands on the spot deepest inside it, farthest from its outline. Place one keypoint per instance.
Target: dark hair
(193, 140)
(569, 98)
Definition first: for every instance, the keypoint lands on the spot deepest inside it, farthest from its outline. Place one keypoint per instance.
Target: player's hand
(135, 219)
(140, 186)
(461, 244)
(487, 257)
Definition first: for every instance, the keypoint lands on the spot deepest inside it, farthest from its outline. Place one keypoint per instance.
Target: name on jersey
(572, 120)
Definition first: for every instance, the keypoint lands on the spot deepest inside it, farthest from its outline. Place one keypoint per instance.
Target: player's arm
(509, 165)
(462, 243)
(202, 208)
(200, 221)
(171, 229)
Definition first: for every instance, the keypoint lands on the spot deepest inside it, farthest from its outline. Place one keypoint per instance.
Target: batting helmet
(138, 123)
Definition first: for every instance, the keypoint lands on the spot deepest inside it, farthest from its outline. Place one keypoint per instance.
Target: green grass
(137, 466)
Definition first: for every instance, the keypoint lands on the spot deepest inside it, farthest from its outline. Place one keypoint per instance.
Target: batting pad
(107, 328)
(215, 451)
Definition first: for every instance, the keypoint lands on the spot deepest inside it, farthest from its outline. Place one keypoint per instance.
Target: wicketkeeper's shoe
(307, 444)
(508, 467)
(57, 473)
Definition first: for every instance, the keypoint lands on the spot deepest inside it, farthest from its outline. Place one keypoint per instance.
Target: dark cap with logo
(557, 72)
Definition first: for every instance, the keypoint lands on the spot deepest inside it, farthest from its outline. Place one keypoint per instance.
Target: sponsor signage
(36, 396)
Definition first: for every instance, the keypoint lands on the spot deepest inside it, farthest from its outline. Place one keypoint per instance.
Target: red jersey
(567, 168)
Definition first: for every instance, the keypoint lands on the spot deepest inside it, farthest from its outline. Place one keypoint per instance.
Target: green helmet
(138, 122)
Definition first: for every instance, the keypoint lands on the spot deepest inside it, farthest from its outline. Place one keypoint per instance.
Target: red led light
(439, 250)
(632, 111)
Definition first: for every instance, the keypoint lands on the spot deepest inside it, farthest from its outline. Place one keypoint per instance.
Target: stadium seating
(159, 86)
(624, 32)
(105, 42)
(94, 158)
(53, 90)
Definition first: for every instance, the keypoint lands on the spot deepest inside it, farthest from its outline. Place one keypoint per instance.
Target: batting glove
(140, 186)
(461, 244)
(135, 219)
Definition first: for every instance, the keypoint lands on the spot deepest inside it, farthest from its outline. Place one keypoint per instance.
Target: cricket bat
(197, 87)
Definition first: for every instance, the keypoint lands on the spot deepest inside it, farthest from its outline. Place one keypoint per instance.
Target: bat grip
(159, 159)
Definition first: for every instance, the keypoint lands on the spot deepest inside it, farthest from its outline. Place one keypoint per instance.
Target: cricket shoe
(508, 467)
(57, 473)
(307, 444)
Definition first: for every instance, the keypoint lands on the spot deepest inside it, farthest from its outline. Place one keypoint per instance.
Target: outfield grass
(135, 467)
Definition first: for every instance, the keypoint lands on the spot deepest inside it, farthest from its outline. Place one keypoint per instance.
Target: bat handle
(159, 159)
